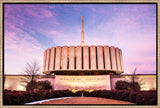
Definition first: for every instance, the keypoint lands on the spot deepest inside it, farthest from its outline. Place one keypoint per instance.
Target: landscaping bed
(22, 97)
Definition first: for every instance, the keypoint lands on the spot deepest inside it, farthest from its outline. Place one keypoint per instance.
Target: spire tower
(82, 34)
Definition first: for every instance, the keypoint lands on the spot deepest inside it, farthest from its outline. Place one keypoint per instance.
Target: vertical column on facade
(93, 56)
(75, 58)
(100, 57)
(52, 59)
(71, 57)
(44, 60)
(121, 60)
(78, 57)
(64, 57)
(47, 59)
(118, 59)
(58, 58)
(113, 58)
(107, 58)
(85, 57)
(68, 58)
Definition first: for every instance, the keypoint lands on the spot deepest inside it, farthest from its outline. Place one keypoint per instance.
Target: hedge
(20, 98)
(139, 98)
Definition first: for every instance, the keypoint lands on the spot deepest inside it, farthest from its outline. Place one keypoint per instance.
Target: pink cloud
(15, 36)
(46, 13)
(38, 11)
(123, 30)
(62, 38)
(144, 68)
(20, 48)
(138, 42)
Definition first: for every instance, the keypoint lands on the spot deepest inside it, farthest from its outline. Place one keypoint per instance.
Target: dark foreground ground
(85, 100)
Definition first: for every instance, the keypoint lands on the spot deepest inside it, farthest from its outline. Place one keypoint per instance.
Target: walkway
(84, 100)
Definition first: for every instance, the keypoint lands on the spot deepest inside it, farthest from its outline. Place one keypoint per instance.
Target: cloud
(132, 28)
(20, 48)
(38, 11)
(29, 16)
(134, 32)
(21, 45)
(62, 38)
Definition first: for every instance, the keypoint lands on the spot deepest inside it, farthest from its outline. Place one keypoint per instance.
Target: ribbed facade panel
(47, 59)
(100, 57)
(71, 57)
(118, 60)
(64, 57)
(93, 57)
(78, 57)
(44, 60)
(85, 58)
(121, 60)
(52, 58)
(107, 58)
(113, 58)
(58, 58)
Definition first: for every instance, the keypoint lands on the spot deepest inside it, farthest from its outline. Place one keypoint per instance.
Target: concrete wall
(113, 58)
(64, 57)
(107, 58)
(83, 58)
(121, 60)
(58, 58)
(100, 57)
(72, 82)
(147, 82)
(71, 57)
(52, 59)
(47, 59)
(118, 59)
(13, 82)
(78, 57)
(44, 61)
(93, 57)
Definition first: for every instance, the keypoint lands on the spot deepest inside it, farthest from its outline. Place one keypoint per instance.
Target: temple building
(82, 67)
(83, 59)
(78, 62)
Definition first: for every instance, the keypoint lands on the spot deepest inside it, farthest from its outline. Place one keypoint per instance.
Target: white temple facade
(82, 67)
(83, 58)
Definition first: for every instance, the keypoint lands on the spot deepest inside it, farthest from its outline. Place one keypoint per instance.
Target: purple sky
(29, 29)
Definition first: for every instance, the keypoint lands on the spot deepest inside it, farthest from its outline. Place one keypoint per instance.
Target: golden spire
(82, 34)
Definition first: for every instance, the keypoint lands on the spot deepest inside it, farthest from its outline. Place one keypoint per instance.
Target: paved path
(84, 100)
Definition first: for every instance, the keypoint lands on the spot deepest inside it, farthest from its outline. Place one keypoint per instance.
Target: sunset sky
(29, 29)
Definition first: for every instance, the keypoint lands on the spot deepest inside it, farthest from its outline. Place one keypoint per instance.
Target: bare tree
(136, 82)
(30, 73)
(134, 78)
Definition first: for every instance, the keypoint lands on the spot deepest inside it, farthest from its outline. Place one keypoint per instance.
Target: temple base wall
(88, 82)
(61, 82)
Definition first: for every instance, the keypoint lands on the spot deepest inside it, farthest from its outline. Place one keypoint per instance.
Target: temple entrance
(85, 82)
